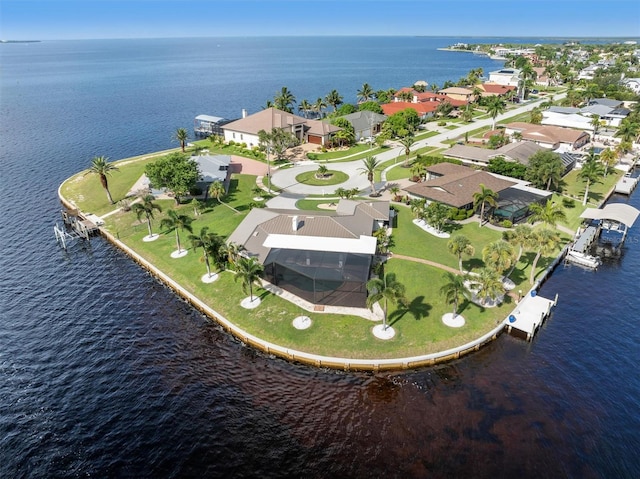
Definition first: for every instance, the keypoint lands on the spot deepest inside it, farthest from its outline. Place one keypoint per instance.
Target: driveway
(286, 178)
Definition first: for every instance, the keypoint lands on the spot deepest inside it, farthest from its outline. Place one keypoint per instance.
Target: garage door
(316, 140)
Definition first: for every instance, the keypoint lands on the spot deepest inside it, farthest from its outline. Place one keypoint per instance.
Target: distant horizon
(45, 20)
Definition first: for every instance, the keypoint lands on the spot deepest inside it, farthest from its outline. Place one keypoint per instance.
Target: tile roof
(266, 119)
(421, 108)
(546, 133)
(496, 88)
(457, 189)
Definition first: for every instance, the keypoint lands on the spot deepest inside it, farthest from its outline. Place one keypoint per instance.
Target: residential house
(516, 151)
(424, 109)
(581, 118)
(496, 89)
(632, 84)
(455, 185)
(459, 94)
(365, 123)
(424, 103)
(506, 76)
(212, 168)
(322, 257)
(552, 137)
(245, 130)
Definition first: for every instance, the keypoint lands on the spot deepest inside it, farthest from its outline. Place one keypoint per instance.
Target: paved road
(286, 178)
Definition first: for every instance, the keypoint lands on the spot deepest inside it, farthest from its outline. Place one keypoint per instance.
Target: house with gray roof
(516, 151)
(610, 102)
(323, 257)
(212, 168)
(365, 123)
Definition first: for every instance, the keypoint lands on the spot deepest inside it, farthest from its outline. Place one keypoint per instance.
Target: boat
(583, 259)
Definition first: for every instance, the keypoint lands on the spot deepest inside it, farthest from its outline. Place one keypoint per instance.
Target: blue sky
(80, 19)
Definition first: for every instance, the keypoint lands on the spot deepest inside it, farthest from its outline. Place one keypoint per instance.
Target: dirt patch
(327, 206)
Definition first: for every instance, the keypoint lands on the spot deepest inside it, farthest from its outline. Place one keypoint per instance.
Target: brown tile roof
(547, 133)
(496, 88)
(457, 189)
(446, 168)
(265, 120)
(321, 128)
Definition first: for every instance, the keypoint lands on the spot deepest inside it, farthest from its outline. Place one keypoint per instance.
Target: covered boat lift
(613, 217)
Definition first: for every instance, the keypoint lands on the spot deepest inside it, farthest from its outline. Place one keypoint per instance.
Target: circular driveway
(286, 178)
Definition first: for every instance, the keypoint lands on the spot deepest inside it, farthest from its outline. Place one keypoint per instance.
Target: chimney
(244, 113)
(294, 223)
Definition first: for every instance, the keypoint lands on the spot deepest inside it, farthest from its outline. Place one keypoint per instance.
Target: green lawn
(398, 172)
(332, 177)
(575, 187)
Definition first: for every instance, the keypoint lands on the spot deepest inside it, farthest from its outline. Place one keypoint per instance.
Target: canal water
(106, 373)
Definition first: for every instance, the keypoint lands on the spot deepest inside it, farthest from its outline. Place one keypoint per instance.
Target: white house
(506, 76)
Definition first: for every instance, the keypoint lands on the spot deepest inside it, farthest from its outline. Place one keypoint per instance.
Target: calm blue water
(103, 372)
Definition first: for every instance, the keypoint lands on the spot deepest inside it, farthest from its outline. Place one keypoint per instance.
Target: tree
(370, 106)
(549, 214)
(590, 172)
(100, 166)
(248, 270)
(460, 245)
(595, 123)
(546, 242)
(407, 142)
(467, 113)
(520, 236)
(216, 190)
(401, 123)
(210, 244)
(609, 159)
(305, 107)
(498, 255)
(322, 171)
(628, 130)
(535, 116)
(444, 108)
(369, 165)
(232, 252)
(175, 172)
(507, 168)
(176, 221)
(334, 99)
(386, 289)
(489, 284)
(318, 106)
(365, 93)
(146, 208)
(182, 135)
(284, 100)
(436, 214)
(453, 289)
(482, 198)
(545, 169)
(347, 134)
(495, 106)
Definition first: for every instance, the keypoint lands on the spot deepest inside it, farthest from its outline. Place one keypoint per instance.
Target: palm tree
(484, 197)
(334, 99)
(146, 208)
(608, 158)
(182, 135)
(407, 141)
(546, 242)
(549, 214)
(284, 100)
(100, 166)
(595, 123)
(459, 245)
(386, 289)
(365, 93)
(232, 251)
(489, 284)
(322, 171)
(216, 190)
(499, 255)
(318, 106)
(590, 172)
(305, 107)
(521, 237)
(495, 106)
(370, 163)
(394, 190)
(248, 271)
(453, 289)
(176, 221)
(628, 130)
(209, 242)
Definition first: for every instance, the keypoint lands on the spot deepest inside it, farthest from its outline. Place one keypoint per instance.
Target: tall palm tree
(520, 236)
(305, 107)
(549, 214)
(100, 166)
(176, 221)
(591, 172)
(210, 243)
(407, 142)
(489, 284)
(595, 123)
(609, 159)
(334, 99)
(546, 242)
(146, 208)
(248, 271)
(232, 251)
(459, 245)
(284, 100)
(318, 106)
(365, 93)
(370, 163)
(495, 106)
(499, 255)
(386, 289)
(182, 135)
(453, 289)
(482, 198)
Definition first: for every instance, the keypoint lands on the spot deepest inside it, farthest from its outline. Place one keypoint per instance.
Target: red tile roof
(420, 108)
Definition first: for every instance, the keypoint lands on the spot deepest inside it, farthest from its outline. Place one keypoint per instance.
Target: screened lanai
(320, 277)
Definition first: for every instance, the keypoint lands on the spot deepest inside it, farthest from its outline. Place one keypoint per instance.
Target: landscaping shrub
(442, 123)
(507, 224)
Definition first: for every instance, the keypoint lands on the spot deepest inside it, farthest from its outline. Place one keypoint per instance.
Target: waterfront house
(323, 257)
(212, 168)
(506, 76)
(496, 89)
(547, 136)
(460, 94)
(245, 130)
(365, 123)
(516, 151)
